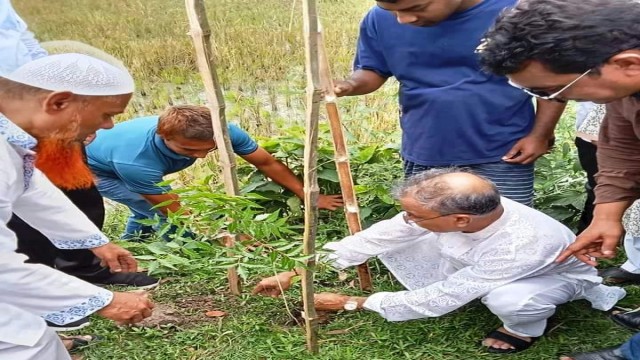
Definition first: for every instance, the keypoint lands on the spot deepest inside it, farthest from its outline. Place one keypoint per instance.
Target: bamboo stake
(201, 34)
(351, 209)
(311, 188)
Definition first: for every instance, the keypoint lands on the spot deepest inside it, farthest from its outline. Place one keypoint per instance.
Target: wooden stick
(201, 34)
(351, 209)
(311, 188)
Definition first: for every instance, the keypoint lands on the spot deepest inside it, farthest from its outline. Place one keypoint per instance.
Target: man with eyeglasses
(589, 49)
(459, 240)
(131, 160)
(451, 112)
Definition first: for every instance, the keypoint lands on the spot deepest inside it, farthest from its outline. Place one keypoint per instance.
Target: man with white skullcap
(49, 102)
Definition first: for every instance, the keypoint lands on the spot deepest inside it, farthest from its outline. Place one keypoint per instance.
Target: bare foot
(497, 344)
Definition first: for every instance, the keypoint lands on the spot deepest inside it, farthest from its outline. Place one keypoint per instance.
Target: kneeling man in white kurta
(458, 240)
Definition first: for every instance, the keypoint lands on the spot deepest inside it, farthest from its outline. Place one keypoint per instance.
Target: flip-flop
(518, 344)
(619, 276)
(79, 342)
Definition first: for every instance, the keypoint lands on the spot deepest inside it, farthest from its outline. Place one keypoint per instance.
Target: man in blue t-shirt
(133, 157)
(453, 114)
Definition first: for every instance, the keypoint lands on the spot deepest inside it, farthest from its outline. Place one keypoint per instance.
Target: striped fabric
(514, 181)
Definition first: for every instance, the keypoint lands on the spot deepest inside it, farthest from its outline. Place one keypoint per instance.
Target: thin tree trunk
(201, 34)
(351, 209)
(311, 189)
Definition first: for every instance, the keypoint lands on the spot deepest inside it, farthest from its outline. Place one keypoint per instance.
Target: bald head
(451, 191)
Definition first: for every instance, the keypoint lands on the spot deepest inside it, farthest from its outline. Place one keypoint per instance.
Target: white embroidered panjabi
(30, 293)
(510, 265)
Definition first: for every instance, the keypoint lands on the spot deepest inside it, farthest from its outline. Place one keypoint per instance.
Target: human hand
(599, 240)
(128, 307)
(527, 150)
(330, 301)
(330, 202)
(116, 258)
(273, 286)
(344, 87)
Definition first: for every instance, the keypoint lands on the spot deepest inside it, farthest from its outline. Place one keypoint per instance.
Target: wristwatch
(351, 305)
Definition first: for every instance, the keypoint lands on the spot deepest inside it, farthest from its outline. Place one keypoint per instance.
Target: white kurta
(445, 271)
(30, 292)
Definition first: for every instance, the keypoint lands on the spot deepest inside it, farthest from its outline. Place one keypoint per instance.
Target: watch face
(351, 305)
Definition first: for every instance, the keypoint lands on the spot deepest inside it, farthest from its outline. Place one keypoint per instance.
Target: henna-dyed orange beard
(62, 161)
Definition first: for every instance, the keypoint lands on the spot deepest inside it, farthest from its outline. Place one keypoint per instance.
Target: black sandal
(79, 342)
(518, 344)
(618, 276)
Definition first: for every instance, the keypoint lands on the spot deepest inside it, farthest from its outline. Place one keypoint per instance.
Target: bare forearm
(548, 114)
(364, 82)
(283, 176)
(611, 211)
(156, 199)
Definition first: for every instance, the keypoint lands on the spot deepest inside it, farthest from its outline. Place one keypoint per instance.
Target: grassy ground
(259, 49)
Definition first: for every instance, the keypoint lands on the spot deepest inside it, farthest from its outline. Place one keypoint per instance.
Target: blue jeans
(514, 181)
(141, 209)
(631, 349)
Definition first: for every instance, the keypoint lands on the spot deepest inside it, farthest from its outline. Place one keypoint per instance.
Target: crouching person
(458, 240)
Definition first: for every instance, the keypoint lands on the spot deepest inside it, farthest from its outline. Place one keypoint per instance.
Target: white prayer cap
(78, 73)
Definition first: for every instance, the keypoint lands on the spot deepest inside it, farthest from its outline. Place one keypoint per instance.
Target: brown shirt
(619, 153)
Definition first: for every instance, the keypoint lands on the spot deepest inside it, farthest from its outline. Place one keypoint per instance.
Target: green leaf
(329, 175)
(295, 205)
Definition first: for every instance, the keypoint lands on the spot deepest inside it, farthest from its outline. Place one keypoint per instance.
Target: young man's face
(189, 147)
(616, 79)
(423, 12)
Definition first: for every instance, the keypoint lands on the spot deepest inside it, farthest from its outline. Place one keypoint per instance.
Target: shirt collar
(15, 135)
(162, 147)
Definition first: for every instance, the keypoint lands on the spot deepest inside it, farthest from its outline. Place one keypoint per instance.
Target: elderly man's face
(431, 220)
(70, 117)
(422, 12)
(615, 80)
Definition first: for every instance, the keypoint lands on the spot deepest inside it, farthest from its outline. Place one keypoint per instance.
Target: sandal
(79, 342)
(518, 344)
(618, 276)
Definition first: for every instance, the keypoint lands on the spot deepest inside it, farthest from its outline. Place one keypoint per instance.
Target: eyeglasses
(405, 217)
(544, 95)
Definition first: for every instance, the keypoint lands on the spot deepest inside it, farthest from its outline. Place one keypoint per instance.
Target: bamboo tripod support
(201, 34)
(351, 209)
(311, 188)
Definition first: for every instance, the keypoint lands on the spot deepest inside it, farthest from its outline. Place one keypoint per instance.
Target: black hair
(566, 36)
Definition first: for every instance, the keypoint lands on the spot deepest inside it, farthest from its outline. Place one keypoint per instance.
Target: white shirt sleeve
(45, 208)
(46, 292)
(381, 237)
(509, 260)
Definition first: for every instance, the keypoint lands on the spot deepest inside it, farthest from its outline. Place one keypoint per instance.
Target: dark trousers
(79, 263)
(589, 162)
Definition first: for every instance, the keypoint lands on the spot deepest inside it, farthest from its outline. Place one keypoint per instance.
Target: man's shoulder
(377, 16)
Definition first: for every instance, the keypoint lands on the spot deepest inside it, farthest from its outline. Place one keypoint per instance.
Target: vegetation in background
(259, 48)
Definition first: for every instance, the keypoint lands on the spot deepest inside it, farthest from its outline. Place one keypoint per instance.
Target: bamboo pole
(311, 188)
(351, 209)
(201, 34)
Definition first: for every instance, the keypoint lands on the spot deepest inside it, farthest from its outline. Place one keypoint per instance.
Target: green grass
(259, 49)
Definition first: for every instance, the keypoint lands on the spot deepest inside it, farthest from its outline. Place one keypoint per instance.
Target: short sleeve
(369, 55)
(140, 179)
(241, 142)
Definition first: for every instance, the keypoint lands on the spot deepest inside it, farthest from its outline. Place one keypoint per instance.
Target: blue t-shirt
(453, 113)
(135, 154)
